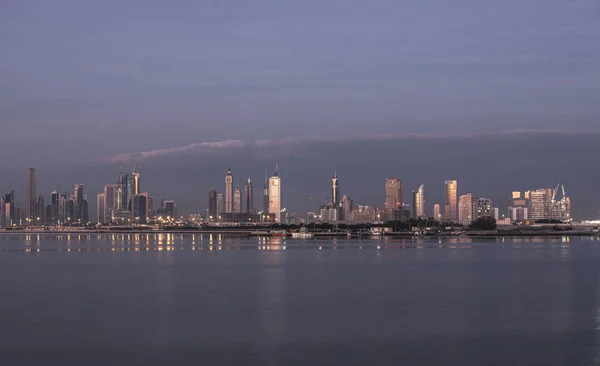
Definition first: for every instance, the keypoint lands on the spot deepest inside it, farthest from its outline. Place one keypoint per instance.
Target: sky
(86, 87)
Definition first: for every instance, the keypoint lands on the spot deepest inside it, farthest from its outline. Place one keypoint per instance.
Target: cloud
(289, 144)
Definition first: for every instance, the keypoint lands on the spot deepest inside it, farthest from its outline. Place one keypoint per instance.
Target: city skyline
(532, 204)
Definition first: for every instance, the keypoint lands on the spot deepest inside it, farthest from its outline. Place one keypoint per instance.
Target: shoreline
(243, 233)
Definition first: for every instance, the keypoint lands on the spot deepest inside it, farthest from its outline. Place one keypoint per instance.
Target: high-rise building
(540, 204)
(113, 200)
(484, 208)
(229, 192)
(169, 209)
(335, 189)
(220, 205)
(437, 214)
(101, 214)
(139, 211)
(419, 202)
(450, 208)
(393, 193)
(249, 192)
(84, 211)
(31, 195)
(130, 187)
(237, 200)
(78, 202)
(346, 208)
(466, 209)
(212, 204)
(55, 198)
(266, 195)
(40, 213)
(136, 179)
(275, 195)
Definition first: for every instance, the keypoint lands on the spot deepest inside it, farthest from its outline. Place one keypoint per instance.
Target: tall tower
(419, 202)
(450, 209)
(229, 192)
(275, 195)
(31, 197)
(237, 200)
(266, 195)
(78, 203)
(136, 179)
(212, 203)
(466, 211)
(393, 193)
(249, 191)
(335, 190)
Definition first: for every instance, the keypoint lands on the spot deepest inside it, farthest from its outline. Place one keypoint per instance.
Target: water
(191, 299)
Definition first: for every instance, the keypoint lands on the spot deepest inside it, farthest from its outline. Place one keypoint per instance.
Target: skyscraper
(220, 204)
(139, 210)
(346, 207)
(136, 179)
(31, 197)
(335, 189)
(437, 212)
(467, 209)
(450, 209)
(78, 203)
(212, 203)
(101, 213)
(55, 197)
(266, 195)
(113, 200)
(393, 193)
(130, 187)
(84, 211)
(419, 202)
(275, 195)
(229, 192)
(249, 191)
(40, 214)
(237, 200)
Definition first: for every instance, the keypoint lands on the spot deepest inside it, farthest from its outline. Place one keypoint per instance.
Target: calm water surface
(191, 299)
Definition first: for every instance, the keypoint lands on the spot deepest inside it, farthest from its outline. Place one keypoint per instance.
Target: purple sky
(83, 80)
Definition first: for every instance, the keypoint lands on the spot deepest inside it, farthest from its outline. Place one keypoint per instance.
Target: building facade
(394, 188)
(451, 201)
(418, 208)
(275, 195)
(229, 192)
(466, 209)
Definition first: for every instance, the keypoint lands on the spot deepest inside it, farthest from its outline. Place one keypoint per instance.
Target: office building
(275, 195)
(450, 208)
(418, 208)
(237, 200)
(31, 196)
(212, 204)
(346, 206)
(229, 192)
(169, 209)
(249, 194)
(101, 207)
(393, 193)
(113, 201)
(140, 208)
(78, 203)
(220, 204)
